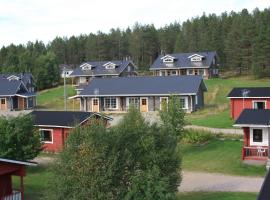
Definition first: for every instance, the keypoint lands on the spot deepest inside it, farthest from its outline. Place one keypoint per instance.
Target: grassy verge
(53, 99)
(219, 156)
(216, 113)
(217, 196)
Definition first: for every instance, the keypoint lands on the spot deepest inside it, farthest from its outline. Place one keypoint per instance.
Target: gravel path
(212, 182)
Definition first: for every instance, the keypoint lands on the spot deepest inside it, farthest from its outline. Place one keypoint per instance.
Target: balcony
(16, 195)
(255, 153)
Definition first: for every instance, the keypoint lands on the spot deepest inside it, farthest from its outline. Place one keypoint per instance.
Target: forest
(241, 39)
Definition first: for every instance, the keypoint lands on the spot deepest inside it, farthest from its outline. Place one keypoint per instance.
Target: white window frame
(168, 60)
(190, 73)
(86, 66)
(44, 129)
(128, 98)
(264, 137)
(259, 101)
(196, 59)
(110, 103)
(160, 100)
(175, 71)
(186, 102)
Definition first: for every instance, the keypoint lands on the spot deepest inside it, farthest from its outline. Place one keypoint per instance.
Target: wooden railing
(16, 195)
(255, 152)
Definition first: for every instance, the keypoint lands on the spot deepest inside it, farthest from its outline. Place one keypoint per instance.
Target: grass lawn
(216, 112)
(217, 196)
(220, 156)
(35, 182)
(53, 99)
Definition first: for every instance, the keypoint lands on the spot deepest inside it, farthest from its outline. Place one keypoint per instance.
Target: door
(95, 105)
(3, 104)
(21, 103)
(144, 104)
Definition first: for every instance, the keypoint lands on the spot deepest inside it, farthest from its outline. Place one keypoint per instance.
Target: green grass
(53, 99)
(217, 196)
(35, 182)
(219, 156)
(216, 113)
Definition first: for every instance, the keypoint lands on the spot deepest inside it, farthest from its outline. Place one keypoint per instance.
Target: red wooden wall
(237, 105)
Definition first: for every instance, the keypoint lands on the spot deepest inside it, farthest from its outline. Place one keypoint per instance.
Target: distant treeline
(242, 41)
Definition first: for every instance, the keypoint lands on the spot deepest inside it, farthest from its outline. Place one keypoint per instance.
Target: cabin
(204, 64)
(145, 93)
(55, 126)
(86, 71)
(256, 128)
(8, 169)
(17, 92)
(248, 98)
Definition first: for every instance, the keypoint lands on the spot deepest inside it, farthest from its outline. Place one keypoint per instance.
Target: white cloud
(24, 20)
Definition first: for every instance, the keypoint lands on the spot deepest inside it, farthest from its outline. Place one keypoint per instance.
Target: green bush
(196, 136)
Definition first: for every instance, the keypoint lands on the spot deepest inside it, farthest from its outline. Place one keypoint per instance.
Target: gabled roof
(144, 86)
(254, 117)
(183, 60)
(251, 92)
(98, 68)
(9, 86)
(64, 119)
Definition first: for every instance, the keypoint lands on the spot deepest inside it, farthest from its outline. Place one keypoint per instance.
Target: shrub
(195, 136)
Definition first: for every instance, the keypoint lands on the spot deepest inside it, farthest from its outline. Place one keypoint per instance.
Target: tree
(133, 160)
(18, 138)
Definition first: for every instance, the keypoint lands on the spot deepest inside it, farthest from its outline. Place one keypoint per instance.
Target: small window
(257, 135)
(173, 73)
(46, 135)
(3, 101)
(259, 105)
(183, 103)
(87, 79)
(95, 102)
(190, 72)
(110, 103)
(144, 102)
(168, 73)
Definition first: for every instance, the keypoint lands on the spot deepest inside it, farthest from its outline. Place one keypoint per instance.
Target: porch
(255, 153)
(16, 195)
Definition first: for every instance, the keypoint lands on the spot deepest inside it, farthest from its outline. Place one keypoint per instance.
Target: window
(86, 66)
(87, 79)
(134, 101)
(110, 103)
(195, 72)
(257, 135)
(46, 135)
(173, 73)
(196, 59)
(259, 105)
(201, 72)
(144, 102)
(168, 73)
(163, 102)
(95, 102)
(190, 72)
(183, 103)
(168, 60)
(162, 73)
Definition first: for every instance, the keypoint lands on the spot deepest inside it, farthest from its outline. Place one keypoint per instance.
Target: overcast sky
(30, 20)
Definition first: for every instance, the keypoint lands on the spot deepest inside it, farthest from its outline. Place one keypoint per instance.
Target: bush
(195, 136)
(18, 138)
(133, 160)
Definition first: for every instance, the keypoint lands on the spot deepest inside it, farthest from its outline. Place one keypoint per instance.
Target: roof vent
(245, 92)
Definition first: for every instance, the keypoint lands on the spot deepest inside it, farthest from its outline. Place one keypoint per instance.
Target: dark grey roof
(62, 118)
(10, 87)
(98, 69)
(147, 85)
(264, 192)
(251, 92)
(182, 60)
(254, 117)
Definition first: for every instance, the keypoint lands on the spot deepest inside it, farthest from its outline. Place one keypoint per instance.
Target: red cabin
(256, 128)
(248, 98)
(9, 168)
(55, 126)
